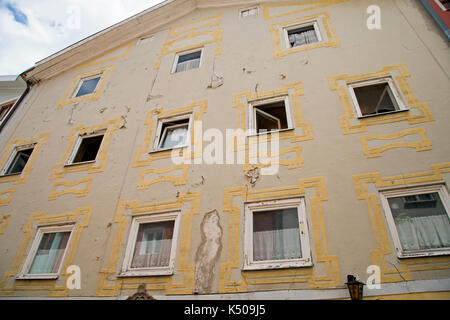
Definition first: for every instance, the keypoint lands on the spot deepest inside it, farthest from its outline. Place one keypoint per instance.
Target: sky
(31, 30)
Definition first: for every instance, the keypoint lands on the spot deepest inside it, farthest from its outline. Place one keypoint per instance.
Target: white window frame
(241, 12)
(35, 246)
(182, 53)
(127, 271)
(385, 194)
(12, 156)
(441, 5)
(299, 204)
(252, 106)
(86, 78)
(77, 145)
(395, 92)
(160, 133)
(311, 23)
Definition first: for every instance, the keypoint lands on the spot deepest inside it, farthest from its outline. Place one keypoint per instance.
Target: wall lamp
(355, 288)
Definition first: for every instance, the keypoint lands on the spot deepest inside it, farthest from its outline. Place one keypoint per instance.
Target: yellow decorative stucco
(79, 192)
(110, 285)
(274, 158)
(422, 145)
(277, 31)
(4, 220)
(349, 121)
(384, 255)
(22, 177)
(304, 6)
(229, 283)
(5, 200)
(55, 287)
(60, 169)
(201, 23)
(176, 180)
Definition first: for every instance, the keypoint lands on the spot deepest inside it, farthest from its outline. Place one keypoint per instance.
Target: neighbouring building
(12, 87)
(217, 149)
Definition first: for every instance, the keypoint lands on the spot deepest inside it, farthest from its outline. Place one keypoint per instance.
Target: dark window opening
(88, 149)
(375, 99)
(188, 61)
(301, 36)
(174, 133)
(446, 4)
(271, 117)
(19, 162)
(88, 87)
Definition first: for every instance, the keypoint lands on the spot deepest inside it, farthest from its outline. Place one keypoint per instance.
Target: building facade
(234, 150)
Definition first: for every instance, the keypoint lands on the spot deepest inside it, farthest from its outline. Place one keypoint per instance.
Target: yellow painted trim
(309, 5)
(68, 99)
(275, 159)
(216, 37)
(176, 180)
(422, 145)
(400, 73)
(110, 285)
(55, 288)
(78, 192)
(277, 28)
(98, 60)
(4, 201)
(294, 275)
(405, 267)
(23, 177)
(216, 20)
(4, 220)
(59, 170)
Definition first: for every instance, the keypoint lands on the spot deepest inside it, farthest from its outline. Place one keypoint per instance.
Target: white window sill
(280, 265)
(424, 253)
(147, 273)
(11, 174)
(382, 114)
(269, 132)
(167, 149)
(38, 277)
(78, 163)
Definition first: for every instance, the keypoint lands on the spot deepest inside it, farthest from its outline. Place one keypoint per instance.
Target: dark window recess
(375, 99)
(446, 4)
(88, 87)
(271, 117)
(19, 162)
(301, 36)
(88, 149)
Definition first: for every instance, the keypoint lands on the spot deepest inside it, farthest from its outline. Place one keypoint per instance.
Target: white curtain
(427, 232)
(152, 250)
(302, 38)
(276, 244)
(187, 65)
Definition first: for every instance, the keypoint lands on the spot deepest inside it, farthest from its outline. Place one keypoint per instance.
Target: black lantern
(354, 287)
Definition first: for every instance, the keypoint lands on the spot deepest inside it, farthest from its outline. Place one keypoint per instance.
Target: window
(86, 148)
(47, 252)
(173, 132)
(419, 220)
(443, 4)
(18, 160)
(376, 97)
(276, 235)
(152, 245)
(4, 110)
(249, 12)
(87, 85)
(301, 35)
(269, 115)
(187, 61)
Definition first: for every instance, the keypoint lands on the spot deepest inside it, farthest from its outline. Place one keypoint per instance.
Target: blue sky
(31, 30)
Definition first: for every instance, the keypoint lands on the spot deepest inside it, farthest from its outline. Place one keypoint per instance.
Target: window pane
(375, 99)
(272, 117)
(188, 61)
(50, 252)
(276, 235)
(19, 162)
(153, 245)
(87, 87)
(421, 221)
(302, 36)
(174, 136)
(88, 149)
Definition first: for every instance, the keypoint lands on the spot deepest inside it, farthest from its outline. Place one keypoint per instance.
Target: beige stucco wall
(344, 233)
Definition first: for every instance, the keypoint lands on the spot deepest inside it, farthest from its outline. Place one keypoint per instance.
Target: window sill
(146, 273)
(282, 265)
(38, 277)
(11, 174)
(424, 254)
(167, 149)
(382, 114)
(78, 163)
(269, 132)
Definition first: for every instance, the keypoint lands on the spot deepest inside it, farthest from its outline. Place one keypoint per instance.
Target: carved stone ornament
(141, 294)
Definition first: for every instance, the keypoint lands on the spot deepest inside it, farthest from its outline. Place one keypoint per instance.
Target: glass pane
(153, 245)
(188, 61)
(302, 36)
(174, 137)
(276, 235)
(19, 162)
(375, 99)
(421, 221)
(50, 252)
(87, 87)
(88, 149)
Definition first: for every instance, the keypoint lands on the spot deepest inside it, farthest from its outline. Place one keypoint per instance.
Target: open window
(269, 115)
(376, 97)
(187, 61)
(173, 132)
(18, 160)
(304, 34)
(87, 85)
(419, 220)
(151, 245)
(86, 148)
(47, 252)
(443, 4)
(276, 235)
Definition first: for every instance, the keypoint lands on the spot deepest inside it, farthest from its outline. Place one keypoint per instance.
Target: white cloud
(54, 25)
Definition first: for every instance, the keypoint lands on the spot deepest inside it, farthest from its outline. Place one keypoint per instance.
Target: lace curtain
(303, 37)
